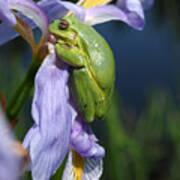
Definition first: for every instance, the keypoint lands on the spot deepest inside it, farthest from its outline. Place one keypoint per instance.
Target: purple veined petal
(147, 3)
(130, 13)
(131, 6)
(101, 14)
(92, 169)
(48, 140)
(84, 141)
(134, 12)
(78, 10)
(5, 14)
(10, 164)
(30, 9)
(55, 9)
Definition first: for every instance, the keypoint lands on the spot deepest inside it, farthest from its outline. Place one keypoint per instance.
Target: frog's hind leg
(84, 93)
(71, 56)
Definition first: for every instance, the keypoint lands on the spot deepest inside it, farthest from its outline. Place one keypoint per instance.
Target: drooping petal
(10, 164)
(6, 15)
(30, 9)
(84, 141)
(56, 9)
(48, 140)
(78, 11)
(128, 11)
(104, 13)
(53, 9)
(91, 168)
(133, 9)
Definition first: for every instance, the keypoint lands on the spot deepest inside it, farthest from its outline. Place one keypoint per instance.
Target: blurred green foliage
(153, 149)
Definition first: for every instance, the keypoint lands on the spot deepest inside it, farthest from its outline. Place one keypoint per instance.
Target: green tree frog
(93, 70)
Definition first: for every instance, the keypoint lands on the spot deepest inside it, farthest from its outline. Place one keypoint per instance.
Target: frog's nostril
(63, 25)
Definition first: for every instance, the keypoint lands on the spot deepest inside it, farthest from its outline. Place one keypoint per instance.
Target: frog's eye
(63, 25)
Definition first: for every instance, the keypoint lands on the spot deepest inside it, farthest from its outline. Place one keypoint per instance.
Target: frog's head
(64, 32)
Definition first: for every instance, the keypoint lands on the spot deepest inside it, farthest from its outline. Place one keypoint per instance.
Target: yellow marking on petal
(78, 165)
(92, 3)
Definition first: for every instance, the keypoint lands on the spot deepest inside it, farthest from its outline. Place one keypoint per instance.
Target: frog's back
(101, 61)
(100, 64)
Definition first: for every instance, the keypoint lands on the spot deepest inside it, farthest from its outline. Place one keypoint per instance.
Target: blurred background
(141, 132)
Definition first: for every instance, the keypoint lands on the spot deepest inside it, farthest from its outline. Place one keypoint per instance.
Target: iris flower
(128, 11)
(58, 128)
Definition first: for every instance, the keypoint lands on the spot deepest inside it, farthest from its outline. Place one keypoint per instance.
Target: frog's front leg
(72, 56)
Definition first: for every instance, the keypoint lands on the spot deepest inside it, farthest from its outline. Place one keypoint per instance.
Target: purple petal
(129, 11)
(32, 11)
(6, 15)
(48, 140)
(92, 169)
(10, 164)
(56, 9)
(76, 9)
(29, 9)
(53, 9)
(100, 14)
(83, 140)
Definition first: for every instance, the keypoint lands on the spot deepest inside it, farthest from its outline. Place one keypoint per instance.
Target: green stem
(21, 94)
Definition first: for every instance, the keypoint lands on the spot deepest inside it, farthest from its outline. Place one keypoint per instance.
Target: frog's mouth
(65, 42)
